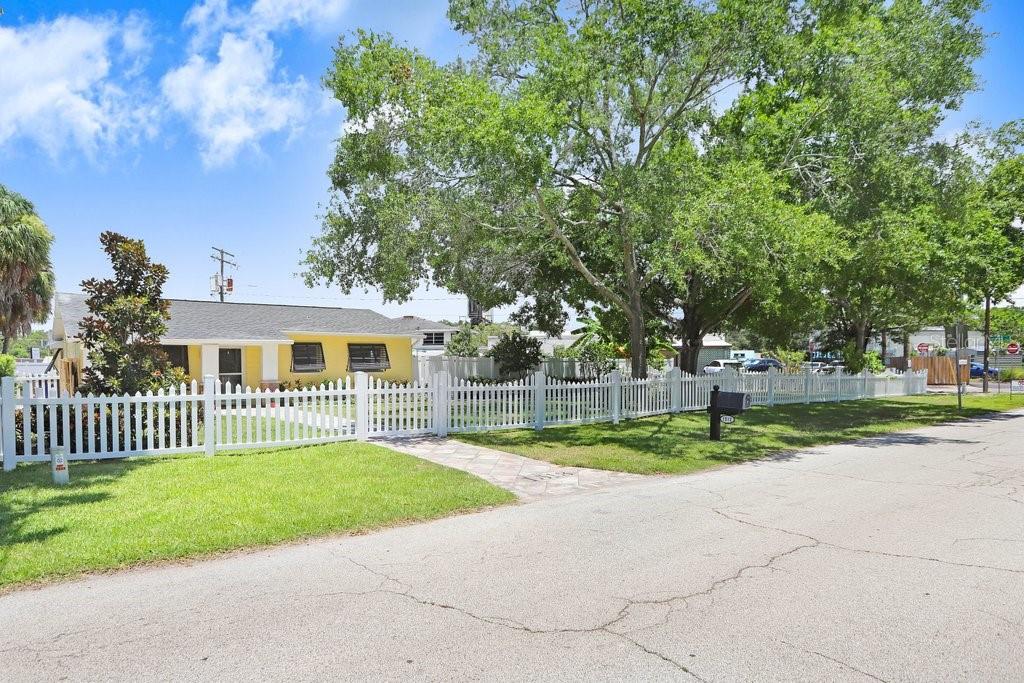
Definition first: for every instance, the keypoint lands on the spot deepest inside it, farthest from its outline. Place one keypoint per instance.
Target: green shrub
(792, 360)
(873, 362)
(463, 344)
(1011, 373)
(6, 365)
(516, 354)
(857, 361)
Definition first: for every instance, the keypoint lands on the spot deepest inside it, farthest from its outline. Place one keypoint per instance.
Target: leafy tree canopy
(22, 346)
(848, 114)
(567, 161)
(127, 317)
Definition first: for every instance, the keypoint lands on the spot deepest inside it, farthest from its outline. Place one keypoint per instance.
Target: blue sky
(199, 124)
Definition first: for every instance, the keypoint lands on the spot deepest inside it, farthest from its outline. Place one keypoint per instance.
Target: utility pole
(222, 256)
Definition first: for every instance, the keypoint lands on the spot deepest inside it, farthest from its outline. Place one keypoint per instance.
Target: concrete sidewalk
(896, 558)
(529, 479)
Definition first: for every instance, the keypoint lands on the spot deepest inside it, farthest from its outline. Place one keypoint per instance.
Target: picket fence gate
(210, 418)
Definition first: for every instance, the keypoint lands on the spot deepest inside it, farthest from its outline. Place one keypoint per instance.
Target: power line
(313, 297)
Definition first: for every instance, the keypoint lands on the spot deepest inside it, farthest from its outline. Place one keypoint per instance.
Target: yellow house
(268, 345)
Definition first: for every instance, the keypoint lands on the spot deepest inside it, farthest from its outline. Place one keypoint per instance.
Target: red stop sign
(922, 347)
(1013, 347)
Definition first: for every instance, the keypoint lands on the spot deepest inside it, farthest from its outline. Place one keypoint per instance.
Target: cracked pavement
(896, 558)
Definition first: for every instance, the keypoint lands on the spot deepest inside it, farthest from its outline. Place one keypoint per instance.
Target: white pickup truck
(719, 365)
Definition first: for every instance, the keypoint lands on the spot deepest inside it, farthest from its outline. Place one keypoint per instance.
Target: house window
(178, 355)
(368, 357)
(433, 338)
(308, 357)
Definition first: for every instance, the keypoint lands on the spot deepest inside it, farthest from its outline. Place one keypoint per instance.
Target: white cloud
(237, 95)
(74, 82)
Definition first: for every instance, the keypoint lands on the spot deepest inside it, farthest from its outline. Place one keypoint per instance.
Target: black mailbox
(725, 403)
(733, 402)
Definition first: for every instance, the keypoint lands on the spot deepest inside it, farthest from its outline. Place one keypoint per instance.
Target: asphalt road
(893, 559)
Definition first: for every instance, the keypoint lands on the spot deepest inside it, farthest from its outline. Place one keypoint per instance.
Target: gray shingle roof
(414, 324)
(214, 320)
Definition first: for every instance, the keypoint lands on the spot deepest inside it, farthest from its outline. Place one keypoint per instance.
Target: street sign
(728, 419)
(963, 361)
(999, 338)
(1013, 348)
(923, 347)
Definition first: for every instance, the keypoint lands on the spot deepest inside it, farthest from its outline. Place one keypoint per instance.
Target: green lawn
(679, 443)
(119, 513)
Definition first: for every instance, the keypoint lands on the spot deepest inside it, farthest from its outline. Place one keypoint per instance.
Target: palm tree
(26, 274)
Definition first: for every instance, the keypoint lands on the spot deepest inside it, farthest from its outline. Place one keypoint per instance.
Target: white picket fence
(484, 367)
(34, 420)
(39, 384)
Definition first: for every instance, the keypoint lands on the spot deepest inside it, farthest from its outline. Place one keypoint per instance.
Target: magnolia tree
(127, 316)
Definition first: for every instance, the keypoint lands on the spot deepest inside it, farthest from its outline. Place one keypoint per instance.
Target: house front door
(230, 367)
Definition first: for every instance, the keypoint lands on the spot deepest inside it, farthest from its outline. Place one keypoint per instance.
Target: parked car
(721, 364)
(978, 370)
(832, 367)
(763, 364)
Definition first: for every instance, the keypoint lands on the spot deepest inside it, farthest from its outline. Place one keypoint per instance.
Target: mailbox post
(725, 403)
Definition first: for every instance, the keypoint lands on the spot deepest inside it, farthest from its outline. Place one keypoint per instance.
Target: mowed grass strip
(677, 444)
(119, 513)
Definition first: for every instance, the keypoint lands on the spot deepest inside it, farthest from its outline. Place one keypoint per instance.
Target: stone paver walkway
(528, 479)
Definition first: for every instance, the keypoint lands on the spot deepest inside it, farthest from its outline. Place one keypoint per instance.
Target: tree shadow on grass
(28, 491)
(778, 432)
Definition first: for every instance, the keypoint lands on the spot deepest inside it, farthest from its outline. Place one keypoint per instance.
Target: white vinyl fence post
(807, 384)
(772, 373)
(440, 384)
(840, 371)
(209, 414)
(7, 422)
(538, 400)
(615, 402)
(362, 405)
(674, 379)
(864, 383)
(908, 375)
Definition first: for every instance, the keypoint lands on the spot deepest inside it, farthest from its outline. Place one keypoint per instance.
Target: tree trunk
(988, 330)
(906, 348)
(885, 345)
(689, 354)
(637, 345)
(862, 336)
(690, 331)
(6, 346)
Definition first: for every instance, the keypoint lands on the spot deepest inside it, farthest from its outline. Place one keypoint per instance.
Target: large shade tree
(26, 273)
(567, 161)
(983, 190)
(849, 113)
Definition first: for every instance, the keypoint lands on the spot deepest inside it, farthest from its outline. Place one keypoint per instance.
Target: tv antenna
(218, 283)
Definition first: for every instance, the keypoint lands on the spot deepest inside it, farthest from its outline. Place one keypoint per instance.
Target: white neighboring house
(744, 354)
(935, 336)
(548, 342)
(25, 367)
(432, 337)
(713, 347)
